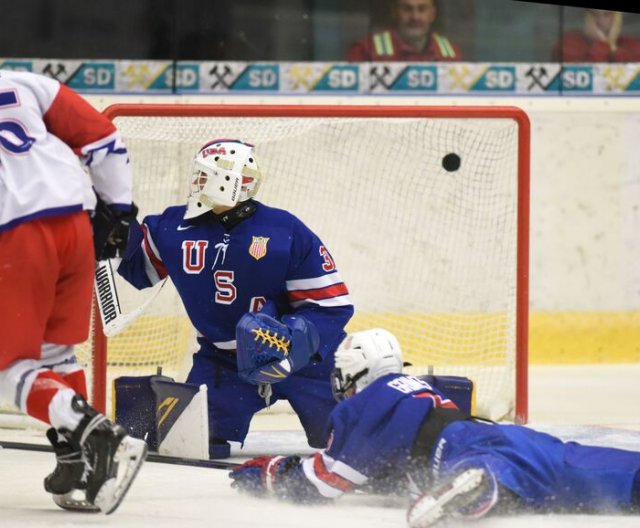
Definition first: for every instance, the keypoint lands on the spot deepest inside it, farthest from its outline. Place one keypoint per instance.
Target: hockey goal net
(425, 210)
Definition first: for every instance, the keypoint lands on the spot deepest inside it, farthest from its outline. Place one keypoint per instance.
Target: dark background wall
(282, 30)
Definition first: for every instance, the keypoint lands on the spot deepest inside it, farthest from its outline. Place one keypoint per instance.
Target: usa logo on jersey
(258, 247)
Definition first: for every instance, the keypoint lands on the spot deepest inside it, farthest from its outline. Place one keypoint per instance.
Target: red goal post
(334, 164)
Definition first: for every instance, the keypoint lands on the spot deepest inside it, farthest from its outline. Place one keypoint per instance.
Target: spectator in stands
(412, 39)
(600, 40)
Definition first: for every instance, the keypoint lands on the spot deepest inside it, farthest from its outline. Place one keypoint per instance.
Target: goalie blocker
(172, 417)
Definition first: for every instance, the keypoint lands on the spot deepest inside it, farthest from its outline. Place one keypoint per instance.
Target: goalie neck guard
(224, 173)
(362, 358)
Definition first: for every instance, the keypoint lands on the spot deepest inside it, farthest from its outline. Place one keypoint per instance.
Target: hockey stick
(151, 457)
(360, 495)
(113, 320)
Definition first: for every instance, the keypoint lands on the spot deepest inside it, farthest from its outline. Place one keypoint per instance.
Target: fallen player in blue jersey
(229, 258)
(395, 432)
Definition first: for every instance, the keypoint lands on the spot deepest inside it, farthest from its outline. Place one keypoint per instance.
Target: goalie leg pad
(135, 407)
(172, 417)
(231, 401)
(219, 448)
(312, 400)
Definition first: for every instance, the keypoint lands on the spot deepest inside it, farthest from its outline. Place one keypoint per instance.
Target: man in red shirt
(412, 39)
(600, 40)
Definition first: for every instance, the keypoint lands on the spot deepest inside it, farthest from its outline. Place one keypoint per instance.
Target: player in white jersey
(56, 153)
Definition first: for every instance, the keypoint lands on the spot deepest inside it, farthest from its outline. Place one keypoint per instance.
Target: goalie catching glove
(270, 350)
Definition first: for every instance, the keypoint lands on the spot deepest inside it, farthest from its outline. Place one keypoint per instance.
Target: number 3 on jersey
(328, 264)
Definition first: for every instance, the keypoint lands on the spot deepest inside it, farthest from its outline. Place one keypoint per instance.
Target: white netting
(428, 253)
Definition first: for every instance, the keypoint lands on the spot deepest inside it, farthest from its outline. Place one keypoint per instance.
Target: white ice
(598, 405)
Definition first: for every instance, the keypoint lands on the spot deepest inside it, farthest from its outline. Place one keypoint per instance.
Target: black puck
(451, 162)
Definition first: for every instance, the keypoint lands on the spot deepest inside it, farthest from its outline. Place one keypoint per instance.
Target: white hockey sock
(61, 414)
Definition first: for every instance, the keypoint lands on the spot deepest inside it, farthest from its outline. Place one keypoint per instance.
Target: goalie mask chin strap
(340, 385)
(352, 381)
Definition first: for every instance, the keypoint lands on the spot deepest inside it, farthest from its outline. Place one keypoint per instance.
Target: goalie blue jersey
(373, 436)
(224, 266)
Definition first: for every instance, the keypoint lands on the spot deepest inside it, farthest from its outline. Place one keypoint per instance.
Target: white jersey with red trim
(54, 146)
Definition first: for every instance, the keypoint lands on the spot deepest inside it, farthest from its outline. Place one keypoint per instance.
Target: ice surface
(598, 406)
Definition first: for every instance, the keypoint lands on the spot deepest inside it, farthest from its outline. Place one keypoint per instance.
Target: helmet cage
(363, 357)
(251, 179)
(215, 185)
(342, 385)
(224, 173)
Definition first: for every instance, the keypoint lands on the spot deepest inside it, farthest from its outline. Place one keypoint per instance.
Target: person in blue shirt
(395, 433)
(238, 264)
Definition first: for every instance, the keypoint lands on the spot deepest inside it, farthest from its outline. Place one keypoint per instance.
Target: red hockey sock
(77, 381)
(44, 388)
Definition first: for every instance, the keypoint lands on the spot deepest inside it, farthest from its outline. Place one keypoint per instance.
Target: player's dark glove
(111, 229)
(262, 475)
(268, 350)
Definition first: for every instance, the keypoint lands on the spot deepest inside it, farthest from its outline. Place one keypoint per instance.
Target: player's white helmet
(362, 358)
(224, 173)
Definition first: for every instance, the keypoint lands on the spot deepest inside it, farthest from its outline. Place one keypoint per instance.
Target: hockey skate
(469, 494)
(112, 460)
(67, 483)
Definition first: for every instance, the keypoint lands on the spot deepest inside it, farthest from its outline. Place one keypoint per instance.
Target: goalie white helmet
(224, 173)
(362, 358)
